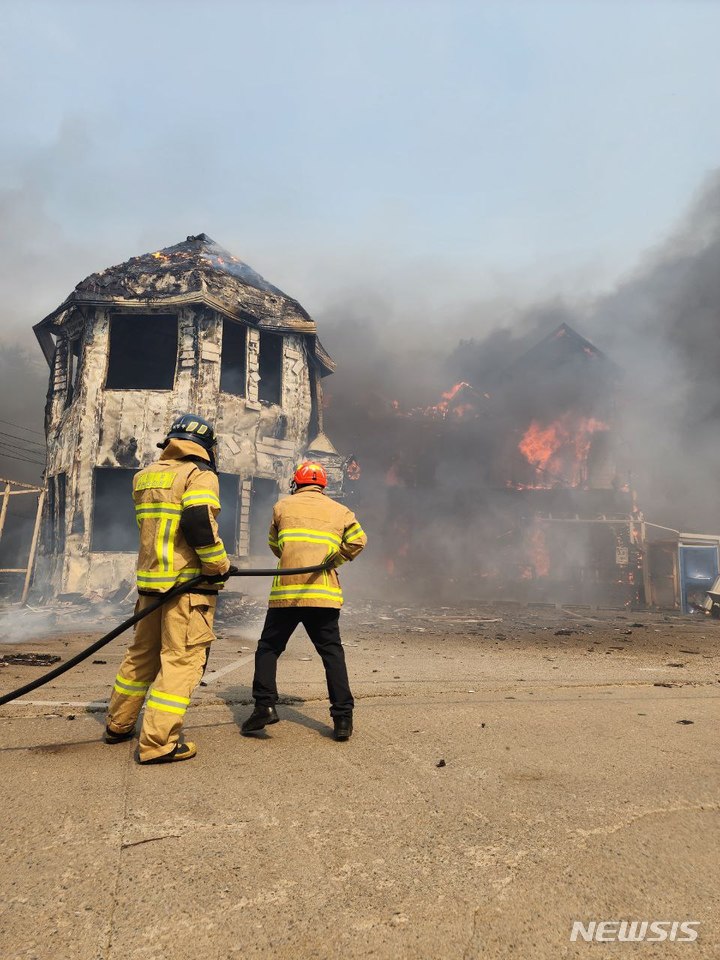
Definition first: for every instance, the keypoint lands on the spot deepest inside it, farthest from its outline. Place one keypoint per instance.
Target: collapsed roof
(198, 270)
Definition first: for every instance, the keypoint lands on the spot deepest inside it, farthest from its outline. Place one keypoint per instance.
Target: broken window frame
(59, 378)
(237, 370)
(132, 351)
(273, 391)
(73, 359)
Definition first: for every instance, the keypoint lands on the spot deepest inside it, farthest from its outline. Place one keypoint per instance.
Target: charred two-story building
(189, 327)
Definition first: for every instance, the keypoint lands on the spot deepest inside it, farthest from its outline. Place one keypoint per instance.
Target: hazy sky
(448, 148)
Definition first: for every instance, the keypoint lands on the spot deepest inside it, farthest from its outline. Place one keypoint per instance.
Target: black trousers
(322, 625)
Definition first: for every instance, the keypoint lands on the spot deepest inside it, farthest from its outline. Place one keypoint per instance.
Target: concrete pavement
(569, 791)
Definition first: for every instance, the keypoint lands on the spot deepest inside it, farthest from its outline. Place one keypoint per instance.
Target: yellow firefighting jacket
(307, 529)
(177, 500)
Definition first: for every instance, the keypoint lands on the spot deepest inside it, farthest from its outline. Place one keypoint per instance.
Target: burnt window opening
(270, 367)
(50, 539)
(143, 352)
(263, 496)
(114, 527)
(233, 363)
(73, 365)
(61, 506)
(55, 518)
(228, 520)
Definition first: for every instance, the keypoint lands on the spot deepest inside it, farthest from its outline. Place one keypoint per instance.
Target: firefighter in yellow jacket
(307, 529)
(176, 505)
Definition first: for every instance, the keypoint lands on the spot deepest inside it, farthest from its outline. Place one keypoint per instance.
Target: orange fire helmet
(310, 472)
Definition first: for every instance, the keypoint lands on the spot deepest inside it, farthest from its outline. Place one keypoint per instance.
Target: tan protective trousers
(165, 660)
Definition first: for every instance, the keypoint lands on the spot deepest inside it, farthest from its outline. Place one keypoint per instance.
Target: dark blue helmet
(189, 426)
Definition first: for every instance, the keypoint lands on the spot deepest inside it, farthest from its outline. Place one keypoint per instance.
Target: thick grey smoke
(660, 326)
(23, 385)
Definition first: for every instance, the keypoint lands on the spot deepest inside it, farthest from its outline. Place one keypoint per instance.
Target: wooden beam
(26, 486)
(4, 509)
(47, 344)
(33, 548)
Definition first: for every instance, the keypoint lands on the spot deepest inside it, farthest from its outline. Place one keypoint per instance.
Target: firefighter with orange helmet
(308, 528)
(177, 500)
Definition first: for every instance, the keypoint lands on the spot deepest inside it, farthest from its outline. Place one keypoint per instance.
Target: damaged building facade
(186, 328)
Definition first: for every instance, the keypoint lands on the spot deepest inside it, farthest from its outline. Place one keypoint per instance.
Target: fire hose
(121, 628)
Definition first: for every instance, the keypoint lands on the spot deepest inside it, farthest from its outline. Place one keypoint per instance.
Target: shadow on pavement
(237, 697)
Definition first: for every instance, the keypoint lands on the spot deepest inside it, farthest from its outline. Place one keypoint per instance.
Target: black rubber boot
(260, 717)
(343, 728)
(183, 751)
(112, 737)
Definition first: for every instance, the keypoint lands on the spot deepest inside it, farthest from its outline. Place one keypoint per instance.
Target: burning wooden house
(576, 534)
(189, 327)
(522, 475)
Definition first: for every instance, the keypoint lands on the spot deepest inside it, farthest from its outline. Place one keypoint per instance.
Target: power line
(24, 434)
(20, 454)
(21, 427)
(33, 451)
(30, 443)
(20, 447)
(12, 456)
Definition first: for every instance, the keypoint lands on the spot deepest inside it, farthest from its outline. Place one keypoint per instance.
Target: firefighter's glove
(222, 577)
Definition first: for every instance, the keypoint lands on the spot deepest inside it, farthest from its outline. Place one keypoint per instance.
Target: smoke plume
(660, 326)
(395, 361)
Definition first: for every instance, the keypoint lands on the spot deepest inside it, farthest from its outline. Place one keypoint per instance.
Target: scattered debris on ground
(28, 659)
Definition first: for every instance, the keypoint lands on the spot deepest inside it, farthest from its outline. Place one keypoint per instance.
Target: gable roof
(561, 345)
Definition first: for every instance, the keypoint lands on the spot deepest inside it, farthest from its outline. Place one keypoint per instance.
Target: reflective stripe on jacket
(177, 501)
(307, 529)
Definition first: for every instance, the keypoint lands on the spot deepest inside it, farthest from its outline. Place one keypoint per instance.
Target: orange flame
(559, 450)
(445, 409)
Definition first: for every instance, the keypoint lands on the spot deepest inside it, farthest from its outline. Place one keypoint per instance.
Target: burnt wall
(92, 426)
